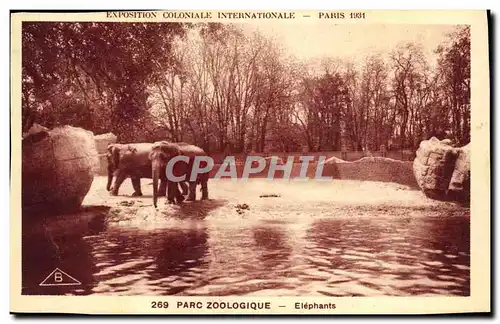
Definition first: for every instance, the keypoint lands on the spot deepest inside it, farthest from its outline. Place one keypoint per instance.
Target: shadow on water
(272, 243)
(57, 242)
(128, 210)
(197, 210)
(112, 259)
(448, 254)
(155, 262)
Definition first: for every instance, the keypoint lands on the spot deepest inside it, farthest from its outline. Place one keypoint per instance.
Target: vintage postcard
(250, 162)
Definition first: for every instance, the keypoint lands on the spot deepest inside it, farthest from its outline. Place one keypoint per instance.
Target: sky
(351, 41)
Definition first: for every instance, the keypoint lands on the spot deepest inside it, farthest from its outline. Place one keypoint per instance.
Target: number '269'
(159, 304)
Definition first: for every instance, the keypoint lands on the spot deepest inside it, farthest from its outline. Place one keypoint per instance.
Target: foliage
(228, 90)
(92, 75)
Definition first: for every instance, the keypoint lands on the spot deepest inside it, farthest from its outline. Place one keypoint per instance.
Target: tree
(228, 89)
(454, 80)
(323, 99)
(408, 62)
(102, 68)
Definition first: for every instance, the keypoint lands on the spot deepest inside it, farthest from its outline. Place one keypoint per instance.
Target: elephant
(132, 160)
(162, 153)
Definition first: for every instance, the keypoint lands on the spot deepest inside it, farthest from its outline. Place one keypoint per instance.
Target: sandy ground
(278, 199)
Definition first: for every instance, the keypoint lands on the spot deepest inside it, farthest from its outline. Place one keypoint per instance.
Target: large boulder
(460, 179)
(441, 170)
(57, 169)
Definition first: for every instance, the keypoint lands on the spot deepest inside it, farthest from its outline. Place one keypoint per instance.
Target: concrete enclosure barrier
(365, 169)
(372, 169)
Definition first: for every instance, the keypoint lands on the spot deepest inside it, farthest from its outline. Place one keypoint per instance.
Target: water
(210, 252)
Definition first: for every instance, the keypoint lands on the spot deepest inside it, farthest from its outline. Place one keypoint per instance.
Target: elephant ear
(115, 156)
(109, 153)
(175, 151)
(157, 152)
(171, 150)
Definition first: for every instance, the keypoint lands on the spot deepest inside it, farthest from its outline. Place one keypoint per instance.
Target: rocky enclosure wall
(365, 169)
(352, 156)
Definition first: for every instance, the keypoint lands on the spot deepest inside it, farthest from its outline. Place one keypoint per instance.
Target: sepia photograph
(243, 158)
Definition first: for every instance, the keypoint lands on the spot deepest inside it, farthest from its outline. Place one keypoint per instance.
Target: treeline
(230, 91)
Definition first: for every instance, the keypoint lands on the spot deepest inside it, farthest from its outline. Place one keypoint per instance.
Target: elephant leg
(204, 189)
(120, 177)
(184, 187)
(172, 192)
(175, 193)
(162, 190)
(110, 178)
(136, 183)
(179, 196)
(192, 191)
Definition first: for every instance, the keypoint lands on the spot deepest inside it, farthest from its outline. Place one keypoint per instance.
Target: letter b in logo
(58, 277)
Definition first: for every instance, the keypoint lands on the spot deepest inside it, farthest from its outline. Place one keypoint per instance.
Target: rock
(101, 142)
(57, 169)
(441, 169)
(240, 208)
(269, 196)
(447, 141)
(34, 129)
(127, 203)
(460, 179)
(433, 165)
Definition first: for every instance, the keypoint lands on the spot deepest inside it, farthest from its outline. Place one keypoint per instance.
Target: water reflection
(272, 244)
(58, 242)
(139, 262)
(196, 252)
(381, 256)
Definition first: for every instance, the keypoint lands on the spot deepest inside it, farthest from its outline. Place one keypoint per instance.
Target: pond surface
(211, 249)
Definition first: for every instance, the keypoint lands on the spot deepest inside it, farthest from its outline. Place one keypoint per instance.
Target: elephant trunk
(156, 167)
(110, 178)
